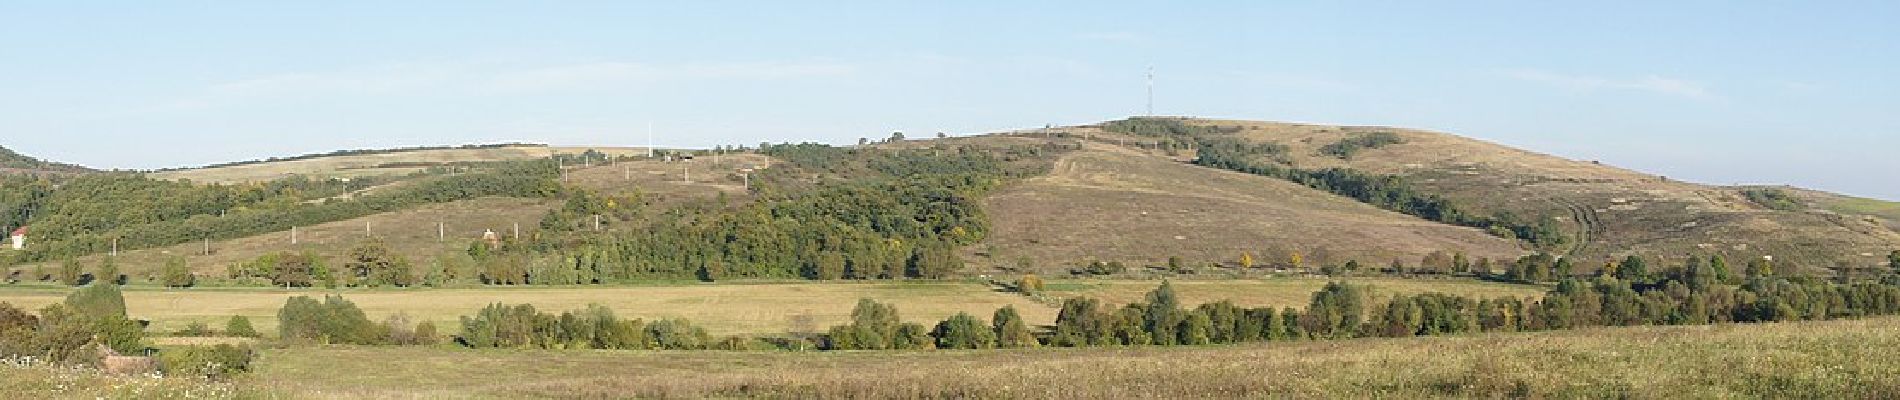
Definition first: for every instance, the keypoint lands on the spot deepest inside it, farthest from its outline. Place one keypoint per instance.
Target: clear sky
(1797, 92)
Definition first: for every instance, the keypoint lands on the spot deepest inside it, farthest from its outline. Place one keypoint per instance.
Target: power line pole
(293, 235)
(441, 232)
(649, 139)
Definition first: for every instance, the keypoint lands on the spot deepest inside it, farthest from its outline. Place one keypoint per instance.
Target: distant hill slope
(1109, 203)
(1609, 211)
(11, 161)
(375, 163)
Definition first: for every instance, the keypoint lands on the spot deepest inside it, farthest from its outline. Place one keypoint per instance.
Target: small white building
(19, 238)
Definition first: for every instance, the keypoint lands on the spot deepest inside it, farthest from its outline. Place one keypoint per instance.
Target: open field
(382, 164)
(412, 232)
(730, 309)
(1113, 204)
(1837, 359)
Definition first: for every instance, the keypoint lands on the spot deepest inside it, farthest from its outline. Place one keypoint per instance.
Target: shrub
(98, 301)
(214, 362)
(177, 274)
(335, 320)
(1029, 284)
(240, 326)
(71, 273)
(963, 331)
(196, 329)
(1345, 148)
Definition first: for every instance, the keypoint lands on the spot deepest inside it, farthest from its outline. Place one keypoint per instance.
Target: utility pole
(441, 232)
(207, 245)
(115, 246)
(649, 139)
(686, 173)
(517, 231)
(293, 235)
(366, 232)
(597, 222)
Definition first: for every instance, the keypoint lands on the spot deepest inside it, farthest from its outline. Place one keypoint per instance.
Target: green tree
(372, 263)
(71, 273)
(1011, 331)
(109, 272)
(1719, 266)
(1336, 311)
(97, 301)
(176, 273)
(1195, 330)
(963, 331)
(1760, 268)
(1893, 261)
(1633, 269)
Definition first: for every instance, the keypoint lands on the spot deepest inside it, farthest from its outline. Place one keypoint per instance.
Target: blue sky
(1802, 93)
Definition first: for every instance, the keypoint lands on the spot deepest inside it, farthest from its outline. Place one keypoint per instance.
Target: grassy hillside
(411, 232)
(1607, 211)
(384, 163)
(1115, 204)
(1840, 359)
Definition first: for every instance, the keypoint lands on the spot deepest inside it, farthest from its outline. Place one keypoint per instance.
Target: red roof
(20, 232)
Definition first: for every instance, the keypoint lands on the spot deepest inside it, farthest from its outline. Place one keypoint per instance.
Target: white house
(19, 238)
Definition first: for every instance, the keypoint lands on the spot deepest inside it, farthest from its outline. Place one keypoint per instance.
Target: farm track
(1589, 227)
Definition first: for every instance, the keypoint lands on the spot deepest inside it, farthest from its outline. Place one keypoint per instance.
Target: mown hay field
(1836, 359)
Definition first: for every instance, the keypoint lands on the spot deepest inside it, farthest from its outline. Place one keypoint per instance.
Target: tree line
(86, 214)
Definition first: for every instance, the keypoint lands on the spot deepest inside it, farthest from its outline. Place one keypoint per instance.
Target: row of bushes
(92, 320)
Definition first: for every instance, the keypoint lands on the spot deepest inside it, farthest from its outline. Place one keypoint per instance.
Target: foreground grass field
(1839, 359)
(732, 309)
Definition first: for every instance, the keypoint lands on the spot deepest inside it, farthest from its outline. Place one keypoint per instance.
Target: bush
(335, 321)
(214, 362)
(240, 326)
(177, 274)
(196, 329)
(71, 273)
(963, 331)
(97, 301)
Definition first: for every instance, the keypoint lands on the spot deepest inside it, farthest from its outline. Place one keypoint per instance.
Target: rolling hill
(375, 163)
(1141, 198)
(1608, 211)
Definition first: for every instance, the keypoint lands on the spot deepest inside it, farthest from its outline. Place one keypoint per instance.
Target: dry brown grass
(1840, 359)
(1619, 210)
(1112, 204)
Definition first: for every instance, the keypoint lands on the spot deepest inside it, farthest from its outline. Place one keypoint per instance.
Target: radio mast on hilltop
(1151, 90)
(649, 139)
